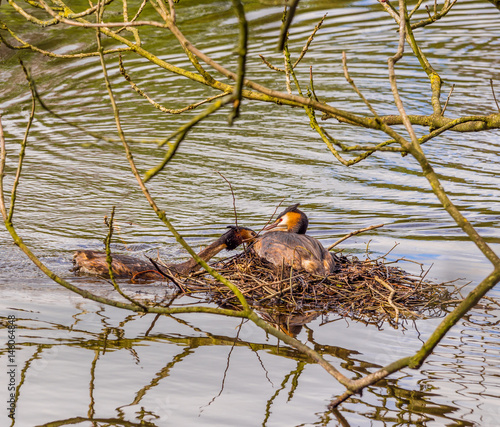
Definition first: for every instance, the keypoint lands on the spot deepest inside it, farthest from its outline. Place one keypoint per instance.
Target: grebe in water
(288, 245)
(94, 263)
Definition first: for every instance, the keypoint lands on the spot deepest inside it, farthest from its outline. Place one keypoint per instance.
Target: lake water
(78, 360)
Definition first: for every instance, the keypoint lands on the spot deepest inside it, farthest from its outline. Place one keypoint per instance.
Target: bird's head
(235, 236)
(292, 220)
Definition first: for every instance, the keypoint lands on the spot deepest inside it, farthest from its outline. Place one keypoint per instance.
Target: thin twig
(389, 298)
(351, 82)
(157, 105)
(242, 54)
(447, 99)
(271, 218)
(286, 24)
(494, 96)
(109, 260)
(271, 66)
(3, 156)
(24, 142)
(417, 6)
(309, 41)
(311, 84)
(353, 233)
(234, 198)
(181, 134)
(428, 11)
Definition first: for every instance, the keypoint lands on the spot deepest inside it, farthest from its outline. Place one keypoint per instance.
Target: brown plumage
(94, 263)
(288, 245)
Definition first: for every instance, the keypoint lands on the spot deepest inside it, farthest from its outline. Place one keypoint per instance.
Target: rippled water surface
(192, 369)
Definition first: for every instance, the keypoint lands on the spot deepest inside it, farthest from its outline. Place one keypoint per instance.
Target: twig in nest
(389, 298)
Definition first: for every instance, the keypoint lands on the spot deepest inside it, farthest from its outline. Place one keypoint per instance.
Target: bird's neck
(206, 254)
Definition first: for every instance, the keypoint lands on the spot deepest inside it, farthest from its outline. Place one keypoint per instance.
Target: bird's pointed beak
(270, 226)
(277, 224)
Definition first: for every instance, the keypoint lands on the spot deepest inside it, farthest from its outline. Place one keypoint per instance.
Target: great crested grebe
(94, 263)
(288, 245)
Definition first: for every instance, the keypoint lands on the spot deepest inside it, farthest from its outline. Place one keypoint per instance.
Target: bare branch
(181, 134)
(159, 106)
(353, 233)
(109, 260)
(242, 54)
(286, 23)
(447, 99)
(271, 66)
(22, 151)
(494, 96)
(351, 82)
(309, 40)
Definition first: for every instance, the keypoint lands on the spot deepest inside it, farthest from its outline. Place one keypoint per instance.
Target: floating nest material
(373, 291)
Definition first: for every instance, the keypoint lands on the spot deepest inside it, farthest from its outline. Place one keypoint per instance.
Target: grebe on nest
(94, 263)
(288, 245)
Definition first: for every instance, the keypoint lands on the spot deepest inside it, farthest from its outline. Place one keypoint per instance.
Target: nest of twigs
(373, 291)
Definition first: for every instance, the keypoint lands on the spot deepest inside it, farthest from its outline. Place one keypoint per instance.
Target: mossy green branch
(181, 134)
(109, 260)
(160, 213)
(451, 319)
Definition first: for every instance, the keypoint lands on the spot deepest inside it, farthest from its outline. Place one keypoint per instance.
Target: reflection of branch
(300, 367)
(97, 421)
(91, 411)
(24, 370)
(227, 364)
(164, 372)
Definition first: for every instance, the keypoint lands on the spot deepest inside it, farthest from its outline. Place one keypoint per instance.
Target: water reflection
(138, 369)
